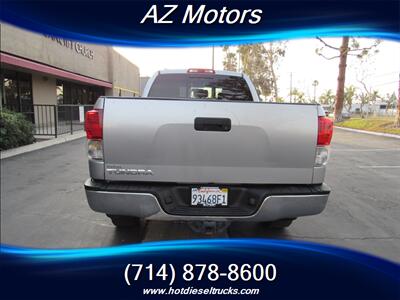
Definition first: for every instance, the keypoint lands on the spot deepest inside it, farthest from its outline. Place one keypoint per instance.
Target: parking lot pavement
(43, 202)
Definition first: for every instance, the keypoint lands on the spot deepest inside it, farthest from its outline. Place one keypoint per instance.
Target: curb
(40, 145)
(389, 135)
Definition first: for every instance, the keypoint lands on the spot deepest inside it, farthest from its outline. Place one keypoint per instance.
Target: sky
(381, 72)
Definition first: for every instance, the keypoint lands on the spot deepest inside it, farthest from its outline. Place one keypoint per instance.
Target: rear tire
(125, 221)
(280, 224)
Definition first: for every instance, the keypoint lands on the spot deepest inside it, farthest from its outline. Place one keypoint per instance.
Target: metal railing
(71, 117)
(53, 120)
(44, 119)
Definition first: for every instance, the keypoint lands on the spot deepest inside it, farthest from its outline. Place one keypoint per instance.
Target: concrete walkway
(41, 144)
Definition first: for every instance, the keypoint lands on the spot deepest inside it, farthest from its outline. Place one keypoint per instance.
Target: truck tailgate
(156, 140)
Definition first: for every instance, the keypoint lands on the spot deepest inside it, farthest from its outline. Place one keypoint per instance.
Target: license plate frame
(209, 197)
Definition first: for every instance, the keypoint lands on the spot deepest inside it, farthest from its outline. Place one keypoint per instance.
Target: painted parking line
(379, 167)
(367, 150)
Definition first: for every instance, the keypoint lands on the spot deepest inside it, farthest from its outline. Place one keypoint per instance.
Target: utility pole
(212, 57)
(239, 63)
(291, 86)
(315, 84)
(397, 121)
(315, 92)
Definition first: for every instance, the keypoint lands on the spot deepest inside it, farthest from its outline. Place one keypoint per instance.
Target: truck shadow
(153, 231)
(161, 231)
(255, 230)
(164, 231)
(124, 236)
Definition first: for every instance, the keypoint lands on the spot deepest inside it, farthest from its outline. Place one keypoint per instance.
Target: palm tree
(327, 98)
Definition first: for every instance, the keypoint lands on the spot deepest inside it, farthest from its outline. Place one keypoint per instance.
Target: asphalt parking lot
(43, 202)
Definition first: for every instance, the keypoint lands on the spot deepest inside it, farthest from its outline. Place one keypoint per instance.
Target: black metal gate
(53, 120)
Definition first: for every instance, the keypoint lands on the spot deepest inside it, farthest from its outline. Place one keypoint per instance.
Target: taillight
(325, 131)
(94, 124)
(94, 133)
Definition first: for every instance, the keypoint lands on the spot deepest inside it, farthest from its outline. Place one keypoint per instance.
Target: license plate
(209, 196)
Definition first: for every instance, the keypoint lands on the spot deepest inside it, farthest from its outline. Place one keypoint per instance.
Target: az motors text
(164, 15)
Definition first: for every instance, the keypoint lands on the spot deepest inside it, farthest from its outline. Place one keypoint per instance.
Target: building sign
(74, 46)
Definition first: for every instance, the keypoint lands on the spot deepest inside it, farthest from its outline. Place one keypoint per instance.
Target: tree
(390, 101)
(342, 53)
(230, 60)
(260, 63)
(253, 61)
(273, 53)
(366, 97)
(363, 99)
(327, 98)
(367, 94)
(298, 96)
(349, 95)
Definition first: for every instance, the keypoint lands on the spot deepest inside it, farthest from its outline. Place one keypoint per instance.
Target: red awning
(31, 65)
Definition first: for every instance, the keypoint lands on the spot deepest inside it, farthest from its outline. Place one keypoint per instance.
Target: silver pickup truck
(200, 145)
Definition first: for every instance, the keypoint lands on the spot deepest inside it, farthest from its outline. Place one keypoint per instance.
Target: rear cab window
(205, 87)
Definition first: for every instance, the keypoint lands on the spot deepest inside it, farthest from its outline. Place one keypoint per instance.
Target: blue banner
(188, 23)
(265, 269)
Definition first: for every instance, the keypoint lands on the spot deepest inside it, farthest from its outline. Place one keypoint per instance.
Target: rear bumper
(166, 202)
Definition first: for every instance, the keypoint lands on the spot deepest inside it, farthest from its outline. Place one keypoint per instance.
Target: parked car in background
(346, 115)
(328, 109)
(199, 145)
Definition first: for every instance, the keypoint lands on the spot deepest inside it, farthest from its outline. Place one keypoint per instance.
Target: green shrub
(15, 130)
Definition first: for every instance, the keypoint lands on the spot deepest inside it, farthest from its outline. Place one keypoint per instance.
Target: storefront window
(73, 93)
(16, 91)
(25, 92)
